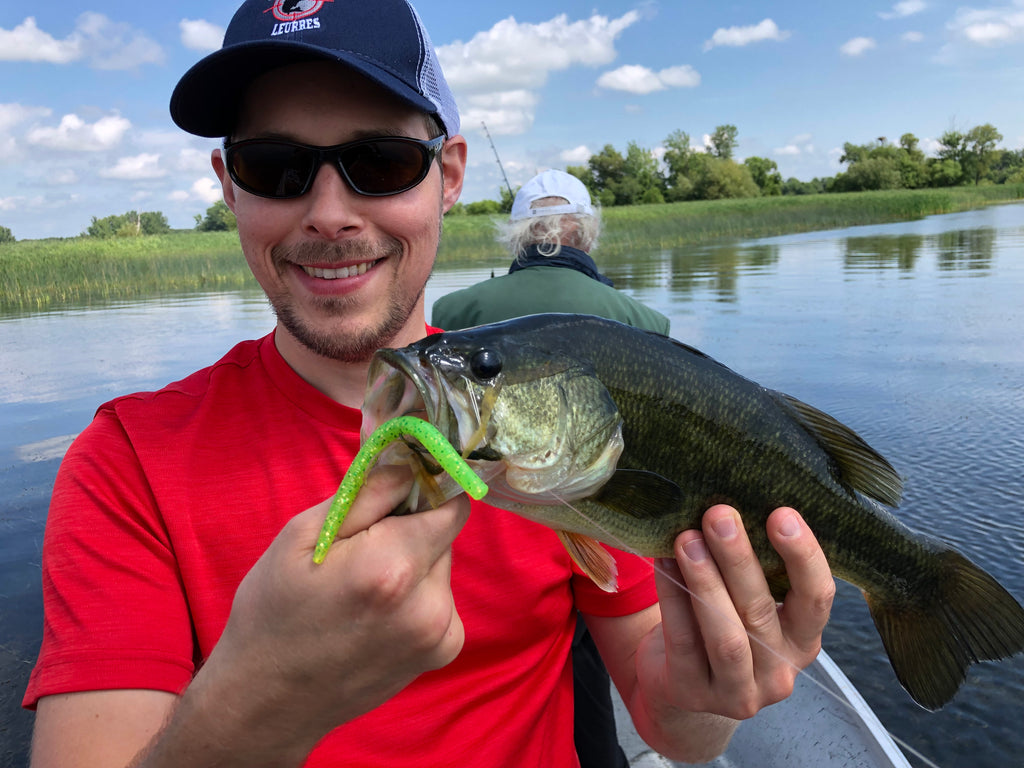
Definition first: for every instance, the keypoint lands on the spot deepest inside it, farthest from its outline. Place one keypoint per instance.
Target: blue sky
(84, 87)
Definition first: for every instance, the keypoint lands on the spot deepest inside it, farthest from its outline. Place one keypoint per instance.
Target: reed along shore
(56, 273)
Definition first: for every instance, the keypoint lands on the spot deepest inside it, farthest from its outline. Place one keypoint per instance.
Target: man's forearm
(225, 722)
(690, 737)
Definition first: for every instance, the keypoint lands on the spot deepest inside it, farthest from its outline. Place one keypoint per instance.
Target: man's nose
(333, 209)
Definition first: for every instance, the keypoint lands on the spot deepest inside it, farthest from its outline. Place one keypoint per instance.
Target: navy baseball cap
(381, 39)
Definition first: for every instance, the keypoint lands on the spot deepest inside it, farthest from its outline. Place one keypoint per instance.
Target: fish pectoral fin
(861, 467)
(639, 493)
(593, 559)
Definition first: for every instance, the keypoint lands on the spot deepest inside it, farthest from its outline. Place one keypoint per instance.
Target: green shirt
(542, 289)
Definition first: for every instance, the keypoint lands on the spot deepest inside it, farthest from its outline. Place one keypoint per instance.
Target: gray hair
(576, 230)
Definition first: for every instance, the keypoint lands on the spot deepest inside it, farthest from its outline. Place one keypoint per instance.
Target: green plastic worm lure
(387, 433)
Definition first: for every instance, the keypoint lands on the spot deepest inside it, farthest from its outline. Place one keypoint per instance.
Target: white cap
(551, 184)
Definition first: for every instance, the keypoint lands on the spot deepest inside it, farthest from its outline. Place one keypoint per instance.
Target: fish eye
(485, 364)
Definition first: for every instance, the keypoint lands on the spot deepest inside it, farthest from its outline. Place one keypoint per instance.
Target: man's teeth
(334, 274)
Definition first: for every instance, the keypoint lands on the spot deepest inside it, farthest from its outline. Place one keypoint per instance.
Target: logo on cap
(290, 10)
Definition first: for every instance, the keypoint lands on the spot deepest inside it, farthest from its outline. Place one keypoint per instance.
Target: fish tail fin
(967, 617)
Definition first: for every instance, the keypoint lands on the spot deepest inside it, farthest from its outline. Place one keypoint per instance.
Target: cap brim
(550, 210)
(207, 98)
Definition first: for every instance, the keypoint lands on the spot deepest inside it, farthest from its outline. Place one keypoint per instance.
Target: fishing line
(800, 672)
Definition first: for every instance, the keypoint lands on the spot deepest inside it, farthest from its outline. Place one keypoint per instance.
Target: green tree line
(131, 224)
(679, 172)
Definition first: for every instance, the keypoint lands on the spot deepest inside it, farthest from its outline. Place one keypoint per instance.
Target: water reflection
(971, 249)
(901, 252)
(953, 251)
(718, 270)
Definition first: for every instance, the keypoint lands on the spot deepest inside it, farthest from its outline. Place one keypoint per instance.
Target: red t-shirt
(168, 498)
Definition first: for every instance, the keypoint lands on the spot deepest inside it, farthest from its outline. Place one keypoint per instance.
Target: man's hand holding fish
(722, 645)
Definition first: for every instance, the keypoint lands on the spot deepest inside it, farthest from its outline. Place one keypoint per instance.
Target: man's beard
(347, 348)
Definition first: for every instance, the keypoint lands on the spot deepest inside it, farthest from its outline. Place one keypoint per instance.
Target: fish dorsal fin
(593, 559)
(861, 467)
(639, 493)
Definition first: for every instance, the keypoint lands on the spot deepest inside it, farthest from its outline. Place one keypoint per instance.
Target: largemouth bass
(606, 432)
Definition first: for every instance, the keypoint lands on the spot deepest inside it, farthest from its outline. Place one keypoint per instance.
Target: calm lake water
(910, 333)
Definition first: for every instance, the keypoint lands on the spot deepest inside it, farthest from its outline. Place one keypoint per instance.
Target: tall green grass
(678, 224)
(44, 274)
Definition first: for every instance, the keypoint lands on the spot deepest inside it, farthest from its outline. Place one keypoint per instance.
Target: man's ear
(453, 160)
(226, 185)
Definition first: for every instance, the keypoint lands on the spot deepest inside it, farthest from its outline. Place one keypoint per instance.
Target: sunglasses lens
(282, 169)
(272, 169)
(384, 166)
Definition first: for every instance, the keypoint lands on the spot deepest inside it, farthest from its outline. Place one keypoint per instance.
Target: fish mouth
(401, 383)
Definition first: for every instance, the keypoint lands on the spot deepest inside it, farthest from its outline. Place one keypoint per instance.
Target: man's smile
(334, 273)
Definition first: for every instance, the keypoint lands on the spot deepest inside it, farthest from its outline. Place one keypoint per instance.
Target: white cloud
(115, 46)
(577, 155)
(903, 9)
(26, 42)
(207, 190)
(75, 134)
(504, 112)
(200, 35)
(797, 146)
(496, 75)
(740, 36)
(989, 27)
(683, 76)
(912, 37)
(514, 55)
(144, 166)
(989, 33)
(102, 43)
(192, 160)
(11, 116)
(633, 78)
(14, 114)
(857, 46)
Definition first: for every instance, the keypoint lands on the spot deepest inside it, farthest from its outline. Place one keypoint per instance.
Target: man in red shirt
(185, 621)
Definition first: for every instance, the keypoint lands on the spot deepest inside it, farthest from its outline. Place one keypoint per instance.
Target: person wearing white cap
(185, 623)
(551, 230)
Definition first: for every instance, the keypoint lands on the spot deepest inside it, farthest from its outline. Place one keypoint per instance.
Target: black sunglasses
(281, 169)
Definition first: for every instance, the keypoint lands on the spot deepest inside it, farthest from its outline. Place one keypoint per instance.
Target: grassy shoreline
(673, 225)
(39, 275)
